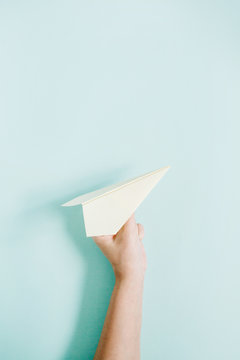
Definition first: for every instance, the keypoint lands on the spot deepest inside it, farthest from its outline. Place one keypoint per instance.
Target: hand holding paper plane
(107, 209)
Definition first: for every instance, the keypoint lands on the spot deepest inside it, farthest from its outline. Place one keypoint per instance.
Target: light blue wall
(93, 93)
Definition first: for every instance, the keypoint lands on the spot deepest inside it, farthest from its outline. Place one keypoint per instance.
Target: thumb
(102, 240)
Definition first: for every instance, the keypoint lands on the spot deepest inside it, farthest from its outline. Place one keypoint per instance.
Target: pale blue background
(93, 93)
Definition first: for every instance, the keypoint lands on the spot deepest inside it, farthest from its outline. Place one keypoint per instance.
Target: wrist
(129, 278)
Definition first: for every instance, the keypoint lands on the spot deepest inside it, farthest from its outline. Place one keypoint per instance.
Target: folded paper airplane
(107, 209)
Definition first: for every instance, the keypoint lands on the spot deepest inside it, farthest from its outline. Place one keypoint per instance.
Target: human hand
(125, 250)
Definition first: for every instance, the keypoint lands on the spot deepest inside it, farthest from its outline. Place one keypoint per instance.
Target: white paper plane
(107, 209)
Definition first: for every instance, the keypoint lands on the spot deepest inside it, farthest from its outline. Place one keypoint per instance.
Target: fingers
(140, 231)
(132, 230)
(130, 225)
(131, 221)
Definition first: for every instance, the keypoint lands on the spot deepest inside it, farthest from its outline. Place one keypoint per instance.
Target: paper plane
(107, 209)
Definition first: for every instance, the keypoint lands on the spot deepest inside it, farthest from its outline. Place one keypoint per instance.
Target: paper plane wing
(107, 209)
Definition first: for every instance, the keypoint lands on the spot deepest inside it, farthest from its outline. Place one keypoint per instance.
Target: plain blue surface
(94, 93)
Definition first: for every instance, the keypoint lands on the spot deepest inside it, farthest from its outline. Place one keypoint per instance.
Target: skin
(120, 338)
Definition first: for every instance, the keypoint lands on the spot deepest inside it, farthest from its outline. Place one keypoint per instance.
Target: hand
(125, 250)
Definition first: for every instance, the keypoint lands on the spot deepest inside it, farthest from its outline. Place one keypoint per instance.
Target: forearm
(120, 338)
